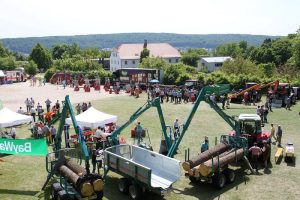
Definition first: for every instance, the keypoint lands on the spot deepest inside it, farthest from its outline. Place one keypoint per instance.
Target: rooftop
(133, 51)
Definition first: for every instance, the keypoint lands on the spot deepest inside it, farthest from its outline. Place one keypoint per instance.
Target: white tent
(93, 118)
(2, 74)
(10, 118)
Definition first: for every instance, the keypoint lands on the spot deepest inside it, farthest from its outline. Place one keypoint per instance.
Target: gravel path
(14, 95)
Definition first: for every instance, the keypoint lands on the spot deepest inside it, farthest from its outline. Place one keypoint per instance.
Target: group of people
(82, 107)
(32, 110)
(33, 81)
(174, 95)
(263, 112)
(41, 130)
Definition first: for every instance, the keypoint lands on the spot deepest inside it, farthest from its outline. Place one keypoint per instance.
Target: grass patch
(22, 176)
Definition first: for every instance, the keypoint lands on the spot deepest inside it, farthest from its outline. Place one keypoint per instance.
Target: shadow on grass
(203, 190)
(291, 162)
(18, 192)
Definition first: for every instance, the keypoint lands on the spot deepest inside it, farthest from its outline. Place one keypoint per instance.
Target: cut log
(69, 174)
(98, 185)
(78, 169)
(206, 155)
(86, 189)
(207, 167)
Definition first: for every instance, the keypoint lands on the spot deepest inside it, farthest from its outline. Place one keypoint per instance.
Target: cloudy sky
(26, 18)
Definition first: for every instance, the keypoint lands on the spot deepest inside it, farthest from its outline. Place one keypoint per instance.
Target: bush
(49, 74)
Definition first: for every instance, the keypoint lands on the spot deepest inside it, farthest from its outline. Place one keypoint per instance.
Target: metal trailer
(141, 169)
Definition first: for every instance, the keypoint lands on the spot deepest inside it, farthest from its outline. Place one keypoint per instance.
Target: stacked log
(78, 169)
(206, 155)
(207, 167)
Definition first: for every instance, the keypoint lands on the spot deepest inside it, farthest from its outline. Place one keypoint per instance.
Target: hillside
(25, 45)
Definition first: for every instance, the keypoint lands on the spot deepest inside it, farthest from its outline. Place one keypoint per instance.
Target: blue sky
(26, 18)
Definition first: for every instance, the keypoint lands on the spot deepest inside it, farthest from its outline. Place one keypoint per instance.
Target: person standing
(39, 109)
(205, 145)
(90, 105)
(32, 111)
(48, 104)
(32, 103)
(223, 100)
(53, 133)
(139, 130)
(265, 114)
(279, 135)
(273, 132)
(78, 108)
(176, 128)
(13, 132)
(255, 153)
(27, 103)
(20, 111)
(57, 106)
(266, 152)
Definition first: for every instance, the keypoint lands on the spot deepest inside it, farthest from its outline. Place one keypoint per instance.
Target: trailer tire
(124, 185)
(62, 195)
(193, 179)
(135, 191)
(230, 175)
(56, 187)
(219, 180)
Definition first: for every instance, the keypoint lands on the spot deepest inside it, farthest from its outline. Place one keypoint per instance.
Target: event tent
(2, 74)
(93, 118)
(10, 118)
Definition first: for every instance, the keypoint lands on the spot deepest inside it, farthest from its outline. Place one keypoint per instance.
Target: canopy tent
(10, 118)
(2, 74)
(93, 118)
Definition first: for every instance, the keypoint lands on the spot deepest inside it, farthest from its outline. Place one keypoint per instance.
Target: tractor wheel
(99, 195)
(219, 180)
(135, 191)
(193, 179)
(124, 185)
(62, 195)
(230, 175)
(55, 189)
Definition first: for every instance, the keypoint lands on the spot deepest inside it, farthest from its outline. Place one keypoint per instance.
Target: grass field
(22, 177)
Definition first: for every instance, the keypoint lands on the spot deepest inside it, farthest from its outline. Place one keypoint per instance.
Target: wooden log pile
(206, 155)
(211, 165)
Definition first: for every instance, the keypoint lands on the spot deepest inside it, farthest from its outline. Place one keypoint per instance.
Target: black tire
(62, 195)
(56, 187)
(124, 185)
(193, 179)
(100, 195)
(219, 180)
(135, 191)
(230, 175)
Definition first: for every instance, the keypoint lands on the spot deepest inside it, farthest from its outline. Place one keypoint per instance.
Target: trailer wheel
(62, 195)
(124, 185)
(135, 191)
(230, 175)
(219, 180)
(193, 179)
(55, 189)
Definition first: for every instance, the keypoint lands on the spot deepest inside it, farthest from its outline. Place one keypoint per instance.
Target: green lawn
(23, 177)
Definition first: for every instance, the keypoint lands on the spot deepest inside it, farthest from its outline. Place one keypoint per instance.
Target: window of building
(218, 64)
(133, 62)
(176, 60)
(125, 62)
(170, 60)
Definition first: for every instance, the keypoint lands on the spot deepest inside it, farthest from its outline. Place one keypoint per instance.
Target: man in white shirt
(13, 132)
(98, 133)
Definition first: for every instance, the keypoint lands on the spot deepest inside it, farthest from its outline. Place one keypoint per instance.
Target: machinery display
(64, 165)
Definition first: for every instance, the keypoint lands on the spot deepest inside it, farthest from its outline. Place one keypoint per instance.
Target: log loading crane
(73, 180)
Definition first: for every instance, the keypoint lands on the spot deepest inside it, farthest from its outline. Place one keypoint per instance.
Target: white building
(128, 55)
(212, 63)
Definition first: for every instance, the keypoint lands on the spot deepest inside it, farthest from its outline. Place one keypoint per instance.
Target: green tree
(144, 54)
(8, 63)
(296, 51)
(153, 63)
(230, 49)
(239, 66)
(41, 56)
(3, 51)
(31, 68)
(58, 51)
(190, 59)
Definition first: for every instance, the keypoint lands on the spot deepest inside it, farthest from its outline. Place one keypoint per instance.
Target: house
(212, 63)
(128, 55)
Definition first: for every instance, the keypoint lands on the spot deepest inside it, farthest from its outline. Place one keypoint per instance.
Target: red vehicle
(60, 76)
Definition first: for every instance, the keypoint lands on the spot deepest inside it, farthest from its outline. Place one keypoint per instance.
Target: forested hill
(25, 45)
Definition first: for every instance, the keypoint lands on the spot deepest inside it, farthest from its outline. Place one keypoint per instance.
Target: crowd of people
(82, 107)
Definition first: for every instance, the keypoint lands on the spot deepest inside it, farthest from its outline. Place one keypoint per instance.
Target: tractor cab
(250, 127)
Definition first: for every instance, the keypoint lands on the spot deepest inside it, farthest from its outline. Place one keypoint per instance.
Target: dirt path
(14, 95)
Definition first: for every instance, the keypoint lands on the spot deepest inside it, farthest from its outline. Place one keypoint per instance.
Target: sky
(31, 18)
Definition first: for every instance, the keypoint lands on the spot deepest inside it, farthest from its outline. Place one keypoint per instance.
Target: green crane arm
(139, 112)
(67, 107)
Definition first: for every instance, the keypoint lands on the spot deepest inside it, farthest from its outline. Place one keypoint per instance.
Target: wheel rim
(133, 192)
(121, 186)
(231, 176)
(221, 181)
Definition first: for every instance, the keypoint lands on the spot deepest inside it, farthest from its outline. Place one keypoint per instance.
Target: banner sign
(23, 147)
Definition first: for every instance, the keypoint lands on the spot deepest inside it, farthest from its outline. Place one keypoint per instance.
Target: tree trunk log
(78, 169)
(206, 155)
(206, 168)
(69, 174)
